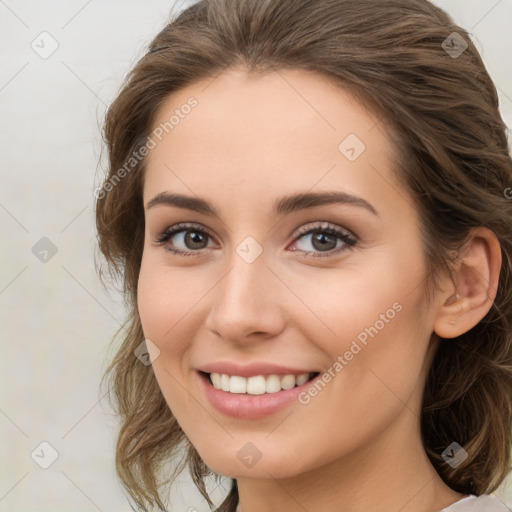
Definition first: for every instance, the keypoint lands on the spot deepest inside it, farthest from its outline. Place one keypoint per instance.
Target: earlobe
(474, 285)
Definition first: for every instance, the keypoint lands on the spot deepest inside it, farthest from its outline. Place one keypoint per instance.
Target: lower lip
(250, 407)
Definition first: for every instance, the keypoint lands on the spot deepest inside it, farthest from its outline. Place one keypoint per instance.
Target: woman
(306, 203)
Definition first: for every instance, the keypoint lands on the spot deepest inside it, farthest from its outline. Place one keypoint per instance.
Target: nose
(246, 303)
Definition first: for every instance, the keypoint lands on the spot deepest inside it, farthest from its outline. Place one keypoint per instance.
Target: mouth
(257, 384)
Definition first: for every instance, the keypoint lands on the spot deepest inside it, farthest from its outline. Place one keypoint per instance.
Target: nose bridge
(247, 271)
(245, 299)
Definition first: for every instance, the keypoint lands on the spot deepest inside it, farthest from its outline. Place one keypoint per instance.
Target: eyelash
(349, 240)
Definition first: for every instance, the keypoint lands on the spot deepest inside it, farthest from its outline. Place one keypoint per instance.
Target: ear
(472, 290)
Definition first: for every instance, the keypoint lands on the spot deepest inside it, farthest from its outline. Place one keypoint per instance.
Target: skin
(356, 446)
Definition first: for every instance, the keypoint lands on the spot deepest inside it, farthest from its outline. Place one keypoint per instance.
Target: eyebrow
(282, 206)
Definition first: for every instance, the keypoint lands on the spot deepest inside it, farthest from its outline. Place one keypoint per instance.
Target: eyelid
(320, 226)
(183, 226)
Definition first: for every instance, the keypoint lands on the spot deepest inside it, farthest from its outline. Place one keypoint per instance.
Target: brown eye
(191, 239)
(324, 239)
(194, 239)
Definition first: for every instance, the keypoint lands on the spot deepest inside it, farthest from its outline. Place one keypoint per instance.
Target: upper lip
(252, 369)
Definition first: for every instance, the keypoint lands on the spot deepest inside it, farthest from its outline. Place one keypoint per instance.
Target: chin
(275, 466)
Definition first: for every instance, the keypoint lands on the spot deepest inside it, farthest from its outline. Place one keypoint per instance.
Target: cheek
(376, 299)
(151, 301)
(374, 329)
(164, 298)
(163, 308)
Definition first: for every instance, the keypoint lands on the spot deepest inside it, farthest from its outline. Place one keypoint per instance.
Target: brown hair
(442, 111)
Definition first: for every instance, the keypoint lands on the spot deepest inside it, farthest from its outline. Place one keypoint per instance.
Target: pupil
(321, 237)
(193, 237)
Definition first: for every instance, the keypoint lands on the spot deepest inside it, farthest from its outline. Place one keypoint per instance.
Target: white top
(471, 503)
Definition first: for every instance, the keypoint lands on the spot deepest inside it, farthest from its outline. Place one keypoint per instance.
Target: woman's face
(278, 286)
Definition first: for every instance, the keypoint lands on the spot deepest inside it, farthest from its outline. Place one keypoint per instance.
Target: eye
(325, 240)
(190, 235)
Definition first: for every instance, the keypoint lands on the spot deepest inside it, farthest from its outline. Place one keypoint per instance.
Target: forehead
(282, 131)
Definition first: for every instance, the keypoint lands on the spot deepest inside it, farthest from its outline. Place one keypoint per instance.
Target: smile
(258, 384)
(254, 397)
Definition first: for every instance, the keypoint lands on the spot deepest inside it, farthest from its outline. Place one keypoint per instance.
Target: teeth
(257, 385)
(272, 384)
(237, 384)
(224, 382)
(302, 379)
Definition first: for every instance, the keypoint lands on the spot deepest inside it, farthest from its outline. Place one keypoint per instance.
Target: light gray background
(56, 318)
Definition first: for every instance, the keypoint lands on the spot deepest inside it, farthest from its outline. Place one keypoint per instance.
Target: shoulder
(483, 503)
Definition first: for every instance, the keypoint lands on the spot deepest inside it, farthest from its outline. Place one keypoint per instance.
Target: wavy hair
(452, 155)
